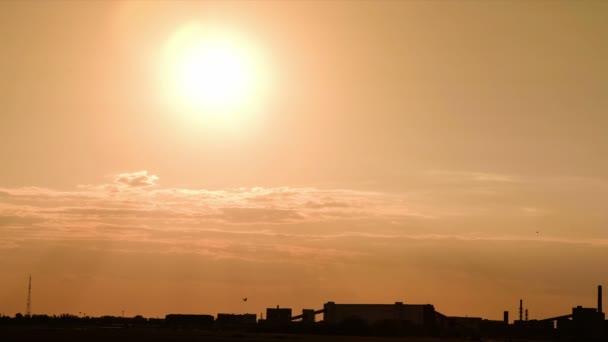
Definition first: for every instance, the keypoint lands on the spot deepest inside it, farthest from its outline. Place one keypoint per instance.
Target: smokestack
(521, 309)
(506, 317)
(599, 298)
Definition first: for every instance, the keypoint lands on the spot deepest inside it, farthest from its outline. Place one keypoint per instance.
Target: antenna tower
(29, 297)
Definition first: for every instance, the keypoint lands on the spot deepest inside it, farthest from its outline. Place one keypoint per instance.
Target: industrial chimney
(599, 298)
(521, 309)
(506, 317)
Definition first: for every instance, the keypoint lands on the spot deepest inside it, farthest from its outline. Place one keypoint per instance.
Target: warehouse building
(421, 315)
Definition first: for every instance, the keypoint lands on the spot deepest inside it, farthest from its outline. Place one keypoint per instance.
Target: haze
(451, 153)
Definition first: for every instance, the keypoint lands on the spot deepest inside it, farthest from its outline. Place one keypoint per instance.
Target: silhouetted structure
(236, 320)
(417, 318)
(582, 324)
(189, 321)
(521, 309)
(28, 311)
(308, 316)
(533, 329)
(464, 326)
(585, 323)
(280, 316)
(599, 298)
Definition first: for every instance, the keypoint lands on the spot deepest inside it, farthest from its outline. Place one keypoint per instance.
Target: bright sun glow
(214, 74)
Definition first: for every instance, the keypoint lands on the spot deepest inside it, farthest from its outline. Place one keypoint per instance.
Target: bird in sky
(245, 299)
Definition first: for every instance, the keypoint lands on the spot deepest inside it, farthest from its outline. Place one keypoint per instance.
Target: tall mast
(29, 297)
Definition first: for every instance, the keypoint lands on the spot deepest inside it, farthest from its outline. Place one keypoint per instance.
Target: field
(134, 334)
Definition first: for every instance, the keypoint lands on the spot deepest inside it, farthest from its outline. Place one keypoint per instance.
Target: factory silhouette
(397, 319)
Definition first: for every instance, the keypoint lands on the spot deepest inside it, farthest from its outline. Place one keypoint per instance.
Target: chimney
(599, 298)
(521, 309)
(506, 317)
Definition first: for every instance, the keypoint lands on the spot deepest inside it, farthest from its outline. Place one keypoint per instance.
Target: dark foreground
(138, 334)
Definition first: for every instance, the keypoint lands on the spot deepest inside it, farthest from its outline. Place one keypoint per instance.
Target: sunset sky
(175, 157)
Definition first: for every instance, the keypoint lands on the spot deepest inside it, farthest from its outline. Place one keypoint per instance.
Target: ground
(9, 334)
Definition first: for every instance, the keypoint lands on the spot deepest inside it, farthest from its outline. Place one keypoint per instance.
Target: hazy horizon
(449, 153)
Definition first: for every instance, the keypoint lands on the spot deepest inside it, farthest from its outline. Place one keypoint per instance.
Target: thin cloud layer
(473, 176)
(235, 206)
(133, 208)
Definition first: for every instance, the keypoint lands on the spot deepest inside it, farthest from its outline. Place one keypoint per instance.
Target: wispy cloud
(132, 208)
(136, 179)
(226, 223)
(474, 176)
(236, 206)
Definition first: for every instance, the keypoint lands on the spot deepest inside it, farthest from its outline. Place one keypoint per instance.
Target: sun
(213, 73)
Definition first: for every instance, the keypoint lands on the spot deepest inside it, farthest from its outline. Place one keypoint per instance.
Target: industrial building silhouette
(397, 319)
(422, 319)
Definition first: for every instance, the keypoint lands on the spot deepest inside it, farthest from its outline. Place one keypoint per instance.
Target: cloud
(131, 209)
(464, 176)
(231, 206)
(136, 179)
(263, 215)
(230, 222)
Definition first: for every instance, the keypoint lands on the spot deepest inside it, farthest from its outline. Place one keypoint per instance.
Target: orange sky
(450, 153)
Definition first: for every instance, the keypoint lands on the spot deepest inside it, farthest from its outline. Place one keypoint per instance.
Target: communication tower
(29, 297)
